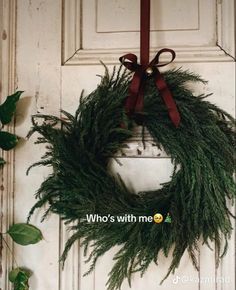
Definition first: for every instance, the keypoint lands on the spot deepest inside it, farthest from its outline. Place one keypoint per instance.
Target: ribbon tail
(172, 110)
(133, 97)
(140, 100)
(168, 100)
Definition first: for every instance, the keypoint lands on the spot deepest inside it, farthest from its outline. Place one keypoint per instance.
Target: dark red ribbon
(135, 100)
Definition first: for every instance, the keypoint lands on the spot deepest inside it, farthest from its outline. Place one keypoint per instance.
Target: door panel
(115, 24)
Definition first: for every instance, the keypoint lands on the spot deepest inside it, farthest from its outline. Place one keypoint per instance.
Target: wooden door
(58, 48)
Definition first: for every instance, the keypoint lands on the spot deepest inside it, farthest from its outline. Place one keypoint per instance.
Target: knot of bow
(135, 100)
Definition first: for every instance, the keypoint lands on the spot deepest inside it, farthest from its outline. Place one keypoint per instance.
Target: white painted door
(58, 48)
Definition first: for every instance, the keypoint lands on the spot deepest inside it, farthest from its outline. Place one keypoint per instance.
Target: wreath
(79, 149)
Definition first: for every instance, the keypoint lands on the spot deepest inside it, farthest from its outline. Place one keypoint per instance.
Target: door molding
(7, 86)
(74, 54)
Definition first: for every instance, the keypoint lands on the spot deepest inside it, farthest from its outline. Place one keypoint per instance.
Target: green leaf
(21, 282)
(20, 278)
(7, 140)
(7, 109)
(13, 275)
(2, 161)
(25, 234)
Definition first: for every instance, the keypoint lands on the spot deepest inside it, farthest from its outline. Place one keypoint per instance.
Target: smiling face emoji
(158, 218)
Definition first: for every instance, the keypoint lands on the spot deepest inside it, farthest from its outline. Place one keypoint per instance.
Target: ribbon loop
(156, 60)
(134, 102)
(130, 61)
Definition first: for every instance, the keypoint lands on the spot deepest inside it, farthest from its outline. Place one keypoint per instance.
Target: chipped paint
(4, 35)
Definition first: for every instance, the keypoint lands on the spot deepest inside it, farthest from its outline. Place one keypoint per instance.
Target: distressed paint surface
(7, 86)
(48, 87)
(38, 63)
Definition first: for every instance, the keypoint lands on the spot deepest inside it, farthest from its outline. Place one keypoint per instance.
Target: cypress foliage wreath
(78, 151)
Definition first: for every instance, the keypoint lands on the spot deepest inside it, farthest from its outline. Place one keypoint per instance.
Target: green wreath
(79, 150)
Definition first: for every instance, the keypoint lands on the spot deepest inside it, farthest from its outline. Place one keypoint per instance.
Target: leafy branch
(21, 233)
(7, 140)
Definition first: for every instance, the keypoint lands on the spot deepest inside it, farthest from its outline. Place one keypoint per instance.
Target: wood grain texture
(38, 65)
(7, 87)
